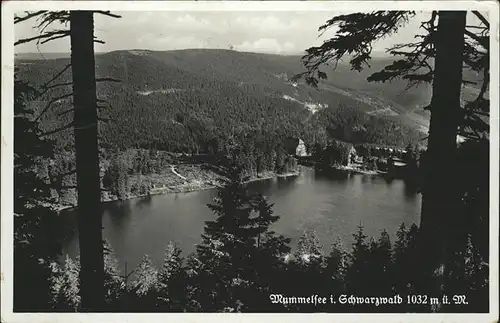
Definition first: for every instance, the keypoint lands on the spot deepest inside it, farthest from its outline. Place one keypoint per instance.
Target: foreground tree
(238, 253)
(87, 159)
(65, 286)
(172, 280)
(438, 57)
(85, 126)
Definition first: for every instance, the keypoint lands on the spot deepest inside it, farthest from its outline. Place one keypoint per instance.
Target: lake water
(333, 205)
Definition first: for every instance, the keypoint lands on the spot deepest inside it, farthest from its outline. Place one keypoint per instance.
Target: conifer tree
(335, 270)
(381, 264)
(234, 243)
(357, 276)
(114, 284)
(336, 262)
(85, 126)
(195, 283)
(228, 242)
(439, 55)
(309, 248)
(146, 278)
(476, 279)
(307, 270)
(401, 261)
(265, 216)
(172, 279)
(65, 286)
(35, 245)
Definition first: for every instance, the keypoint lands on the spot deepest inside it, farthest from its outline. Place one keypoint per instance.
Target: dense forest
(241, 106)
(157, 103)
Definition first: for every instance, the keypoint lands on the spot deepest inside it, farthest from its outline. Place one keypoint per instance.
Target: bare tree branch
(107, 13)
(484, 86)
(103, 101)
(482, 18)
(68, 186)
(18, 19)
(482, 40)
(70, 125)
(66, 112)
(104, 119)
(56, 76)
(477, 27)
(469, 82)
(71, 172)
(51, 16)
(50, 34)
(54, 38)
(46, 88)
(107, 79)
(86, 127)
(50, 103)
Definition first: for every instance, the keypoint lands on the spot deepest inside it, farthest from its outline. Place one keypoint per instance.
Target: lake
(333, 205)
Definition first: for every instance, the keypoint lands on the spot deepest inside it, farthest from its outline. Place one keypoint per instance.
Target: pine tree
(172, 263)
(302, 245)
(381, 264)
(401, 261)
(309, 248)
(476, 279)
(146, 278)
(336, 269)
(358, 277)
(85, 126)
(35, 244)
(114, 283)
(172, 279)
(195, 287)
(306, 274)
(87, 159)
(337, 260)
(65, 286)
(453, 45)
(118, 173)
(265, 216)
(228, 242)
(232, 245)
(413, 258)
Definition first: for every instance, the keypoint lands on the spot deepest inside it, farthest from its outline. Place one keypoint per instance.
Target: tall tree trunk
(87, 160)
(440, 198)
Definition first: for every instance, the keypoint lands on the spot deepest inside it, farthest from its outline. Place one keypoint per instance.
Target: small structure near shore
(301, 150)
(295, 146)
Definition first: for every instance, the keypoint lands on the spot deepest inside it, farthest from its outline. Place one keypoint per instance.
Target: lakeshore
(182, 178)
(353, 168)
(358, 170)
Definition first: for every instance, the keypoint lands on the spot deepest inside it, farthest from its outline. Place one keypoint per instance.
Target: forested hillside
(205, 100)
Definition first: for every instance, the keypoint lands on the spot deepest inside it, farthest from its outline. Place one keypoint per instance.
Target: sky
(270, 32)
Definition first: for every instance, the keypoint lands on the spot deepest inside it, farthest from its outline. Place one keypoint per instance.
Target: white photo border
(11, 7)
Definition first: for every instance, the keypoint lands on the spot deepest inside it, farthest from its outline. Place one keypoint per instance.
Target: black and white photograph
(249, 157)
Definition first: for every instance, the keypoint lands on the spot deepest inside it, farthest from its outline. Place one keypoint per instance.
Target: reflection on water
(333, 204)
(388, 178)
(410, 190)
(144, 201)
